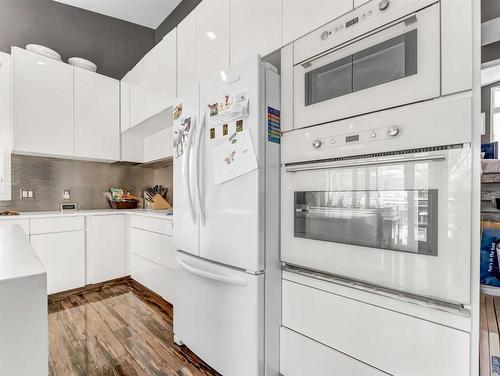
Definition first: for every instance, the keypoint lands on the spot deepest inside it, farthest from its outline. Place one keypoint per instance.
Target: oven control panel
(364, 19)
(362, 137)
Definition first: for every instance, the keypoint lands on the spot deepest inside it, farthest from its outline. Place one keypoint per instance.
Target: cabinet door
(153, 86)
(97, 116)
(125, 103)
(42, 118)
(186, 54)
(159, 145)
(303, 16)
(212, 41)
(5, 135)
(249, 36)
(108, 250)
(63, 256)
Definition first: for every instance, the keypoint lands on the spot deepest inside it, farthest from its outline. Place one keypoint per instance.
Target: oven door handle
(358, 163)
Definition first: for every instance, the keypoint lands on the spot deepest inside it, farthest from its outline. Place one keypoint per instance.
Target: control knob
(383, 4)
(393, 131)
(316, 143)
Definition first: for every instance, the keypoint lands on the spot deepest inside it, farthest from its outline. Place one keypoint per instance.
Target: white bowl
(82, 63)
(44, 51)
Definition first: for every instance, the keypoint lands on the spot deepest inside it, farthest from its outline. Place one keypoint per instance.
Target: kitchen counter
(23, 306)
(56, 213)
(17, 257)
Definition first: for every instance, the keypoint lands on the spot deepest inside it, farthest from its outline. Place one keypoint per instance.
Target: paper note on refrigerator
(233, 156)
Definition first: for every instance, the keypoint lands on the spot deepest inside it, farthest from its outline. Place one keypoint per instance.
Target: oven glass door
(396, 65)
(401, 222)
(397, 220)
(384, 62)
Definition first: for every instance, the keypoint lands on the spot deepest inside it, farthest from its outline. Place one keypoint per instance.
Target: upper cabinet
(5, 133)
(62, 111)
(125, 103)
(186, 54)
(303, 16)
(212, 41)
(42, 105)
(153, 81)
(97, 116)
(255, 28)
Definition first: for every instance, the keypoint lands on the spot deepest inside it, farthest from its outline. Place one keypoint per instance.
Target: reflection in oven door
(404, 220)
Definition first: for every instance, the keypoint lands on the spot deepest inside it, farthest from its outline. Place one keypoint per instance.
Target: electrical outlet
(66, 195)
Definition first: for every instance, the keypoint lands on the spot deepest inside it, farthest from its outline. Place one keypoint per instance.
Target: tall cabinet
(5, 130)
(212, 37)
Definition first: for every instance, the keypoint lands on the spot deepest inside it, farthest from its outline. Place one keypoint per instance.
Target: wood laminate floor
(489, 340)
(118, 329)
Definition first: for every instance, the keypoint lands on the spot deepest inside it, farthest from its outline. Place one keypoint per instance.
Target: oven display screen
(352, 22)
(352, 138)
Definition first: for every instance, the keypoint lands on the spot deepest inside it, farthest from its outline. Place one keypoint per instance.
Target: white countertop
(17, 257)
(48, 214)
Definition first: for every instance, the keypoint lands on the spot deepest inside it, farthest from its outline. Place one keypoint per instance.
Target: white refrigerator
(226, 224)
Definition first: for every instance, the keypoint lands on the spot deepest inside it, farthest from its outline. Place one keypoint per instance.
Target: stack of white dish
(50, 53)
(82, 63)
(44, 51)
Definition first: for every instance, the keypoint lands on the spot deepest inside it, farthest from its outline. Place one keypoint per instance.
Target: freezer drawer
(390, 341)
(303, 356)
(219, 315)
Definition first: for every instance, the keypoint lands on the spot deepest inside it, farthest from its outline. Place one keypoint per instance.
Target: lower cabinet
(152, 256)
(63, 256)
(106, 247)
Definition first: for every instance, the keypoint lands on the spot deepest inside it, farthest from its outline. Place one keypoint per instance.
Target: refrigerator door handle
(233, 280)
(186, 169)
(197, 173)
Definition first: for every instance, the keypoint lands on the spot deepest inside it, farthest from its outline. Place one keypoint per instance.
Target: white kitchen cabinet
(5, 130)
(153, 81)
(42, 105)
(158, 145)
(125, 103)
(63, 257)
(186, 54)
(24, 223)
(255, 28)
(106, 251)
(152, 254)
(97, 116)
(212, 41)
(303, 16)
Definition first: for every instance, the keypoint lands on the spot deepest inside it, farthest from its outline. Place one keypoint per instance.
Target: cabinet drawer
(63, 256)
(154, 276)
(152, 246)
(159, 225)
(300, 356)
(56, 224)
(24, 223)
(390, 341)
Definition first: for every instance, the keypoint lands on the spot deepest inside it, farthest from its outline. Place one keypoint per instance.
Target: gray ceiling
(490, 9)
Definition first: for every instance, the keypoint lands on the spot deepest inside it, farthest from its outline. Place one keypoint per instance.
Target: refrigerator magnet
(212, 133)
(239, 125)
(225, 130)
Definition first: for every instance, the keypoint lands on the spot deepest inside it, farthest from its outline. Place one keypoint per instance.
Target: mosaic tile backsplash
(87, 181)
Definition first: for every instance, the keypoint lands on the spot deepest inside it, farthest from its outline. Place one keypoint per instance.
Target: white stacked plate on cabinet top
(44, 51)
(82, 63)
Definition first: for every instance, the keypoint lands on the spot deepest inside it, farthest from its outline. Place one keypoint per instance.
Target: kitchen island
(23, 306)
